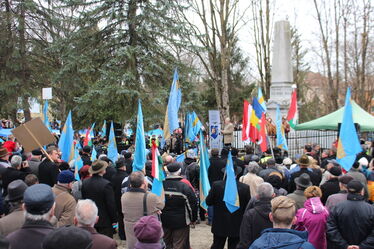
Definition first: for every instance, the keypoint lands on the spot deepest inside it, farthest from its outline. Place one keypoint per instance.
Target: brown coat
(132, 209)
(100, 241)
(12, 222)
(65, 206)
(228, 133)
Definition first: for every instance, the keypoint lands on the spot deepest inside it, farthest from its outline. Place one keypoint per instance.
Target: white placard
(47, 93)
(215, 137)
(34, 105)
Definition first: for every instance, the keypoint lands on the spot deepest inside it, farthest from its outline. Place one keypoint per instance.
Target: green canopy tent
(330, 121)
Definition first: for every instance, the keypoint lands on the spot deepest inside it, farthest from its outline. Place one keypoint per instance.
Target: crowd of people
(304, 202)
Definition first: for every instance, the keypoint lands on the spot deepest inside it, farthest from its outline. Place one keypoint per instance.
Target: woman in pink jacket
(313, 218)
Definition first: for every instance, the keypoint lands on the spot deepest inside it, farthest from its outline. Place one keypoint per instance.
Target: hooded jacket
(254, 221)
(313, 218)
(282, 238)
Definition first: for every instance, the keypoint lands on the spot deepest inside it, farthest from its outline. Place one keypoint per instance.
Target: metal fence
(296, 140)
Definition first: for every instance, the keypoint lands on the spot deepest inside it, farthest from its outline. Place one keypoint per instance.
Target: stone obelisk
(281, 70)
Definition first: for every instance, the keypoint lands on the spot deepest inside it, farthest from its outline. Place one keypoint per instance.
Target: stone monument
(281, 70)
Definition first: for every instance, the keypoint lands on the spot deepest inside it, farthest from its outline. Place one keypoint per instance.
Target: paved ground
(201, 238)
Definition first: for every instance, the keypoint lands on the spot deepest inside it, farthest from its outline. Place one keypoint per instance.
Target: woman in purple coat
(313, 218)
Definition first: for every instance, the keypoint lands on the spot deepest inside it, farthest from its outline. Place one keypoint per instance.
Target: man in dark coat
(101, 192)
(18, 171)
(256, 219)
(216, 165)
(237, 162)
(331, 186)
(128, 161)
(117, 180)
(351, 222)
(225, 224)
(48, 170)
(85, 218)
(303, 162)
(86, 155)
(39, 206)
(180, 209)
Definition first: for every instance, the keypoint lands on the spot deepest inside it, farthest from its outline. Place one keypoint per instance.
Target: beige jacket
(132, 209)
(65, 206)
(228, 134)
(252, 180)
(12, 222)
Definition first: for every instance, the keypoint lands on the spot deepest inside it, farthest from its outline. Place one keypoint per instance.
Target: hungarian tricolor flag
(157, 172)
(293, 114)
(247, 112)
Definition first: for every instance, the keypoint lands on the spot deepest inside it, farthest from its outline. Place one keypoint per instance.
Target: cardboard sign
(33, 135)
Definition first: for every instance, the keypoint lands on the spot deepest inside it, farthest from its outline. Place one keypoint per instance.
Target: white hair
(265, 190)
(16, 161)
(37, 217)
(86, 212)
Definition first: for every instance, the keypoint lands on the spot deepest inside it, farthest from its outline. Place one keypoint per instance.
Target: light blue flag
(1, 140)
(204, 165)
(180, 158)
(187, 127)
(93, 154)
(92, 135)
(103, 129)
(45, 115)
(195, 126)
(112, 145)
(175, 99)
(66, 143)
(261, 99)
(348, 143)
(140, 156)
(231, 196)
(281, 139)
(78, 164)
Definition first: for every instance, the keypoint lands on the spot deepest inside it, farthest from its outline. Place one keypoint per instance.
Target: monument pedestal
(281, 71)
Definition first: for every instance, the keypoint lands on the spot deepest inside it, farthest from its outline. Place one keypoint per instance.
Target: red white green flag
(293, 113)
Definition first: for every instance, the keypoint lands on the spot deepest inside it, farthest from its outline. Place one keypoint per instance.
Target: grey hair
(37, 217)
(253, 167)
(86, 212)
(265, 190)
(16, 161)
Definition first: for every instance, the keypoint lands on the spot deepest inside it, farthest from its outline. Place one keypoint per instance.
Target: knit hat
(148, 229)
(335, 171)
(68, 237)
(65, 176)
(287, 161)
(38, 199)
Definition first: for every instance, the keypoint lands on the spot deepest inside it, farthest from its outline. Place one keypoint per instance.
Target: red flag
(262, 134)
(87, 138)
(245, 122)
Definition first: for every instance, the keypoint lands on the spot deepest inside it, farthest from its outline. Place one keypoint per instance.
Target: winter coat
(12, 174)
(65, 206)
(313, 219)
(12, 222)
(31, 235)
(100, 241)
(228, 133)
(253, 181)
(34, 166)
(351, 222)
(101, 192)
(132, 209)
(215, 169)
(335, 199)
(193, 175)
(226, 224)
(254, 221)
(329, 188)
(298, 197)
(48, 172)
(180, 204)
(282, 238)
